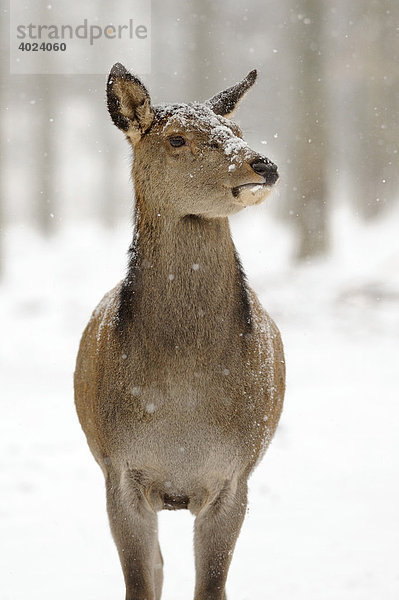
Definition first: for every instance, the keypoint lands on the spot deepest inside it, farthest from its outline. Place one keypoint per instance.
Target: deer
(180, 375)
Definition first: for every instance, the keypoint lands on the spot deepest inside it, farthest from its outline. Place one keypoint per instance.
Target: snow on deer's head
(189, 158)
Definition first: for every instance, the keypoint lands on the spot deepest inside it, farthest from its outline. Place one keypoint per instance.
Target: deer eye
(176, 141)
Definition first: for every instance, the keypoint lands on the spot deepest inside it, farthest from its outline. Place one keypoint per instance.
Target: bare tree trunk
(309, 141)
(4, 62)
(203, 80)
(375, 146)
(2, 159)
(46, 192)
(110, 185)
(45, 200)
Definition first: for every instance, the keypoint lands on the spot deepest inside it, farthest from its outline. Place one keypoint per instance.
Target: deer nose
(266, 169)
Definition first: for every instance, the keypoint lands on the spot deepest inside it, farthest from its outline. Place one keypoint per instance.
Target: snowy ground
(323, 519)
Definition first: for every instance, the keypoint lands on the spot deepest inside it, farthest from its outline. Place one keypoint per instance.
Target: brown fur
(179, 379)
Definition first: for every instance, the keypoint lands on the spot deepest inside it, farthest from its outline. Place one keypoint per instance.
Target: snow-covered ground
(323, 515)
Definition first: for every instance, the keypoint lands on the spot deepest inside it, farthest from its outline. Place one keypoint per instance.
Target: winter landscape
(322, 519)
(322, 253)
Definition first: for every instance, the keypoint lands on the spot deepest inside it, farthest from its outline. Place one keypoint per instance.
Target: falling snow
(321, 484)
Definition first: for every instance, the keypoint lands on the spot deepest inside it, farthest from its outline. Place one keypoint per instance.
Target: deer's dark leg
(215, 533)
(134, 529)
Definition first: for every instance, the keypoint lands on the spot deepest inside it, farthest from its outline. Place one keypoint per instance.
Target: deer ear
(129, 103)
(225, 103)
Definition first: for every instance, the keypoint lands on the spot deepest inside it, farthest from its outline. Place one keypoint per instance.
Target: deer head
(190, 159)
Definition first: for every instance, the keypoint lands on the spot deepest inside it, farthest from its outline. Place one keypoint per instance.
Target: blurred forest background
(325, 109)
(322, 253)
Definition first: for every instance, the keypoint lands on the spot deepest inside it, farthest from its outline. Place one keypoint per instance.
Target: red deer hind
(179, 380)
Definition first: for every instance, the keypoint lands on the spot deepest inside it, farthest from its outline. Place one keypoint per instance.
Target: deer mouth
(249, 194)
(254, 188)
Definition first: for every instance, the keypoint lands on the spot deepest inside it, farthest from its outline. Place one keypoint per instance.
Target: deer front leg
(215, 533)
(134, 528)
(158, 573)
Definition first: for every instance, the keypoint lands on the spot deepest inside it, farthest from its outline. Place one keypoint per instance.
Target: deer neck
(185, 287)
